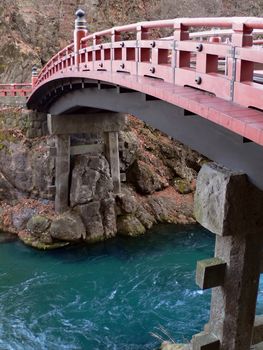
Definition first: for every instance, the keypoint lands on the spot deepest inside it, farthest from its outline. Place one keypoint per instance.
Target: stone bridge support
(231, 207)
(65, 125)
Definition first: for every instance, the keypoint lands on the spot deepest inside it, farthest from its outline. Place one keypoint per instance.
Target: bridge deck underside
(218, 129)
(246, 122)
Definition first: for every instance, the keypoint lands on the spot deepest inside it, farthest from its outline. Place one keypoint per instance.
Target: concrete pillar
(62, 173)
(231, 207)
(233, 304)
(112, 154)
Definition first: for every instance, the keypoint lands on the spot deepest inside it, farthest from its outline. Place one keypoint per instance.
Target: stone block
(226, 203)
(258, 346)
(210, 273)
(205, 341)
(84, 149)
(85, 123)
(258, 330)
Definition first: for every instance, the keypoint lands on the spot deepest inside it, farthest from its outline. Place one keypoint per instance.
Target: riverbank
(158, 177)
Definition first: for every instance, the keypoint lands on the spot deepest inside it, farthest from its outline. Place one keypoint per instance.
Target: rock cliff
(160, 178)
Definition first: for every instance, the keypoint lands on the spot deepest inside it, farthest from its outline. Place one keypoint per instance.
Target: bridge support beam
(112, 155)
(62, 173)
(63, 126)
(229, 206)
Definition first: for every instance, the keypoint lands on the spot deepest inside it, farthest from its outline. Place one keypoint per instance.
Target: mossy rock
(182, 186)
(38, 224)
(129, 225)
(33, 242)
(94, 238)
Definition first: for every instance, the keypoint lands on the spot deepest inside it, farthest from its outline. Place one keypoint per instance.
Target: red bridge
(202, 88)
(205, 90)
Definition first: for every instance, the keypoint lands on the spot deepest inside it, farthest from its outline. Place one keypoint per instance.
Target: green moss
(5, 137)
(129, 225)
(182, 186)
(35, 243)
(2, 67)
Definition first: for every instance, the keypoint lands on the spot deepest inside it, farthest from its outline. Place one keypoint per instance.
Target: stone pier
(62, 126)
(231, 207)
(62, 172)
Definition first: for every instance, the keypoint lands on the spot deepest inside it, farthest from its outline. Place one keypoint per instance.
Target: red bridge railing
(224, 65)
(23, 90)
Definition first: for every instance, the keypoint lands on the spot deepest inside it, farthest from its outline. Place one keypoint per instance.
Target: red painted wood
(181, 69)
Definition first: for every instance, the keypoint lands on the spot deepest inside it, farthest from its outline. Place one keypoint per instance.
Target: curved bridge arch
(175, 84)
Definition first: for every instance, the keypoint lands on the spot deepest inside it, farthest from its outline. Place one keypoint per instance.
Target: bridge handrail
(227, 22)
(225, 69)
(15, 85)
(16, 89)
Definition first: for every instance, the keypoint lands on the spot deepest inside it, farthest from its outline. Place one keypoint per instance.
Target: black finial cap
(34, 70)
(80, 13)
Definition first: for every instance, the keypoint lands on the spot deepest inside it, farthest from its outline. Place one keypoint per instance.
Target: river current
(111, 295)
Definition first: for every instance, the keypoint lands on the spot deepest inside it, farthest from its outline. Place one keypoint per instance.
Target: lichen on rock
(68, 227)
(95, 213)
(129, 225)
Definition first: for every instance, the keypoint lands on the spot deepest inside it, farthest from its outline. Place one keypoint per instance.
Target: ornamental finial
(80, 22)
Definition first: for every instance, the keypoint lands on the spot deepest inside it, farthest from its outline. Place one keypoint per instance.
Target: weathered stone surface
(210, 273)
(258, 330)
(226, 203)
(233, 304)
(15, 165)
(145, 217)
(90, 180)
(130, 148)
(127, 203)
(21, 217)
(83, 185)
(26, 168)
(258, 346)
(111, 140)
(230, 206)
(37, 225)
(129, 225)
(7, 190)
(163, 209)
(82, 123)
(144, 178)
(92, 219)
(108, 214)
(62, 173)
(68, 227)
(205, 341)
(43, 170)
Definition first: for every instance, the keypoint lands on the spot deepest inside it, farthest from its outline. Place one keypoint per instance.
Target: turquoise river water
(106, 296)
